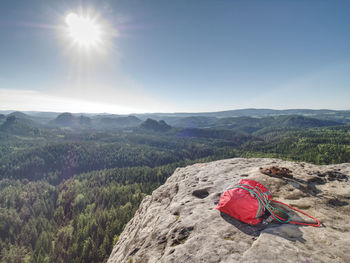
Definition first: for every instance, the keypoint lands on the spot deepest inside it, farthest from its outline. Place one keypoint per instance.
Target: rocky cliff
(179, 222)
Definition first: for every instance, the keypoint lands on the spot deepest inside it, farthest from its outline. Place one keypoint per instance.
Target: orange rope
(296, 222)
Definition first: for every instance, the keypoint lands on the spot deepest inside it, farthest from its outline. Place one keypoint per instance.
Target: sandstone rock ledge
(179, 222)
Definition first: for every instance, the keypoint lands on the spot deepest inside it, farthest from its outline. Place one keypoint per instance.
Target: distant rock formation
(67, 119)
(64, 119)
(99, 122)
(154, 125)
(179, 222)
(23, 118)
(15, 126)
(19, 115)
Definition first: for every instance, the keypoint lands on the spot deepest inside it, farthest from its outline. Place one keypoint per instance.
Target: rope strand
(318, 223)
(270, 208)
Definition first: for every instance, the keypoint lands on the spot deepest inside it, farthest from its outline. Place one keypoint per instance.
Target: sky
(175, 56)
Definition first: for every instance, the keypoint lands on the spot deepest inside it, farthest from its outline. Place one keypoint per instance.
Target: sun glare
(83, 31)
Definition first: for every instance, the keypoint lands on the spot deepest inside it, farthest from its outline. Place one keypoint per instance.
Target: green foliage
(66, 195)
(77, 221)
(328, 145)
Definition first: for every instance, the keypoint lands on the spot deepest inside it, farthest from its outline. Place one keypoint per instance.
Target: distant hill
(297, 121)
(24, 118)
(153, 125)
(177, 119)
(16, 126)
(335, 115)
(250, 124)
(99, 122)
(69, 120)
(19, 115)
(64, 119)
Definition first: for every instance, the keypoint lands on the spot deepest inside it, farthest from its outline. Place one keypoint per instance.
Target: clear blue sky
(177, 56)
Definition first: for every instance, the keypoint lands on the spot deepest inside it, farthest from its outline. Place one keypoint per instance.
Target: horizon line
(174, 112)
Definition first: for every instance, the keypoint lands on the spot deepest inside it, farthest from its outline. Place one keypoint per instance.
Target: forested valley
(69, 185)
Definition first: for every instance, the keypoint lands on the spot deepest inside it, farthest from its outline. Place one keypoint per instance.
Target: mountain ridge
(180, 119)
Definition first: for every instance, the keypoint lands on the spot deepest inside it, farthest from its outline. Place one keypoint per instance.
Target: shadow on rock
(286, 231)
(245, 228)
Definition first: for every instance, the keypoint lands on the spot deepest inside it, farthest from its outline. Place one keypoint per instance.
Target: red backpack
(242, 204)
(248, 200)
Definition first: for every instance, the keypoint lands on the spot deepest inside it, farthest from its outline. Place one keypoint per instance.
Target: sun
(83, 31)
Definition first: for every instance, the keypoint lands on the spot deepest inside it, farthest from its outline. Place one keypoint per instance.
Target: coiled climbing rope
(261, 198)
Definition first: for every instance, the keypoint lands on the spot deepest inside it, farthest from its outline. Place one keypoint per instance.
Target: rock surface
(179, 222)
